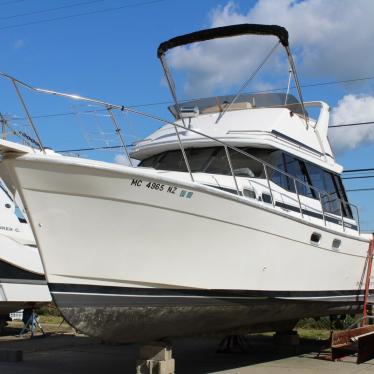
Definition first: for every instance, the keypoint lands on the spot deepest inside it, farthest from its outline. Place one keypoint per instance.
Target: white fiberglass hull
(22, 280)
(128, 262)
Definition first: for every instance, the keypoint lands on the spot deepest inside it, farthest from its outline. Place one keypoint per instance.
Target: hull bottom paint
(142, 317)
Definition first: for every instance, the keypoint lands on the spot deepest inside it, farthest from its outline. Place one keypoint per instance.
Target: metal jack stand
(31, 324)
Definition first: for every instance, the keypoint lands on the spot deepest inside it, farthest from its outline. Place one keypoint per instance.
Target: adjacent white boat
(22, 280)
(235, 219)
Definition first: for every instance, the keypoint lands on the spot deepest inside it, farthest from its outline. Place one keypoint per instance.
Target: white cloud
(352, 109)
(329, 38)
(121, 159)
(18, 44)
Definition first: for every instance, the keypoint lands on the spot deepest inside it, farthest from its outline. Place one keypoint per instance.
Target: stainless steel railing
(117, 128)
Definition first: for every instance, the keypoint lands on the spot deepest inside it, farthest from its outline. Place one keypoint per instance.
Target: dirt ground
(62, 351)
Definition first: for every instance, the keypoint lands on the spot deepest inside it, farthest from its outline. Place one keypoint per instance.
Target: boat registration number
(161, 188)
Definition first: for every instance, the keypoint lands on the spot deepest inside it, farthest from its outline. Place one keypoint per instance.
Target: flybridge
(217, 104)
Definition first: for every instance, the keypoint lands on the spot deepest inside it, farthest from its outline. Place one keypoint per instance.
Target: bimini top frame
(224, 32)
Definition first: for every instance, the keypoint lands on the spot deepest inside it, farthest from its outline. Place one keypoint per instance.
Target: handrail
(176, 126)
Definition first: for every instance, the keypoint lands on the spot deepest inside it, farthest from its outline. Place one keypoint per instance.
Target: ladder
(360, 339)
(368, 278)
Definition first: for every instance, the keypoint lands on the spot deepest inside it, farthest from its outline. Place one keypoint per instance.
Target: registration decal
(160, 187)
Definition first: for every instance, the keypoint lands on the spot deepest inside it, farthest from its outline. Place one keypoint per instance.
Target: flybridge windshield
(257, 100)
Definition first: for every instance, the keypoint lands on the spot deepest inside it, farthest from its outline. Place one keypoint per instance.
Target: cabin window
(242, 165)
(199, 158)
(339, 185)
(213, 160)
(294, 167)
(323, 180)
(172, 160)
(311, 175)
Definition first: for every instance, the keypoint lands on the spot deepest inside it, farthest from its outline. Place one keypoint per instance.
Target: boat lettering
(159, 187)
(155, 186)
(136, 182)
(172, 189)
(6, 228)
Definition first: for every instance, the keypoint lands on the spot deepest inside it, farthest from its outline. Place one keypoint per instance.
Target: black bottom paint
(127, 315)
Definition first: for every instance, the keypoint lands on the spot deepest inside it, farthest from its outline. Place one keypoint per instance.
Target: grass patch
(315, 334)
(56, 320)
(324, 323)
(48, 310)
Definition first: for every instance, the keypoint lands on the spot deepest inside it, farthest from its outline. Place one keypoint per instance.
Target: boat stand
(31, 321)
(155, 358)
(359, 340)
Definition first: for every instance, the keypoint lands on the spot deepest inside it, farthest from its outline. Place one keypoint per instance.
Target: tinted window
(339, 185)
(149, 162)
(324, 181)
(242, 165)
(294, 167)
(213, 160)
(172, 160)
(277, 159)
(199, 158)
(245, 166)
(218, 164)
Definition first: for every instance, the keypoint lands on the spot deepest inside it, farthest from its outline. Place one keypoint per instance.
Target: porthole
(7, 205)
(249, 193)
(266, 198)
(336, 243)
(315, 238)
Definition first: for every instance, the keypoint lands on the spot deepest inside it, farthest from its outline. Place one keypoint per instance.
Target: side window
(219, 164)
(277, 160)
(296, 168)
(326, 182)
(199, 158)
(293, 166)
(172, 160)
(339, 185)
(148, 162)
(331, 201)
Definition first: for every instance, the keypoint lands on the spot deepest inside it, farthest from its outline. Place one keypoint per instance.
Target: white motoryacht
(236, 218)
(22, 280)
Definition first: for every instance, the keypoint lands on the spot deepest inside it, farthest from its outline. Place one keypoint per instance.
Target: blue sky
(112, 55)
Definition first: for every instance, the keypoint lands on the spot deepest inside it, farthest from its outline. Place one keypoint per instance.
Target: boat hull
(142, 316)
(233, 263)
(22, 281)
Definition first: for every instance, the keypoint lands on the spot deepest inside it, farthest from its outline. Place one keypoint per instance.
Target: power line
(359, 177)
(353, 124)
(105, 10)
(51, 9)
(357, 170)
(361, 189)
(90, 149)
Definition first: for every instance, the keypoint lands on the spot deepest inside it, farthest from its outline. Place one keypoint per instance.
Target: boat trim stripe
(197, 293)
(9, 271)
